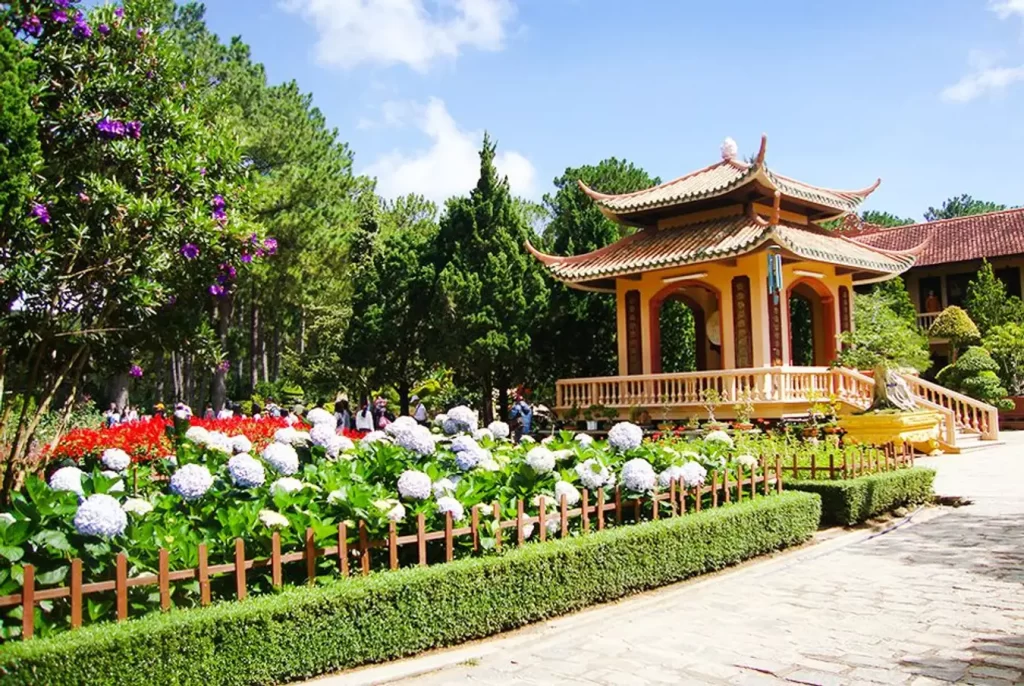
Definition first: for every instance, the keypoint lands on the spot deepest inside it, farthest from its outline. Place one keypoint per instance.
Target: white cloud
(981, 81)
(1007, 8)
(388, 32)
(450, 166)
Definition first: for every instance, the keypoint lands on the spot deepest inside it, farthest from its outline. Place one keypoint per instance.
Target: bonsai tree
(710, 400)
(880, 334)
(956, 326)
(974, 375)
(743, 410)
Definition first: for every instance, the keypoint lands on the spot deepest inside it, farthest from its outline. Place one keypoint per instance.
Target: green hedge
(308, 631)
(853, 501)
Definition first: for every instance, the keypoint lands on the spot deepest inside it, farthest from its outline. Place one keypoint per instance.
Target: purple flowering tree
(125, 238)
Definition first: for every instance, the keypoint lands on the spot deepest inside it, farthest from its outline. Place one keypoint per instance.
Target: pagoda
(734, 241)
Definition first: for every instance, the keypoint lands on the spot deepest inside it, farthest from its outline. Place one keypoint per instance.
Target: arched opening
(686, 329)
(812, 326)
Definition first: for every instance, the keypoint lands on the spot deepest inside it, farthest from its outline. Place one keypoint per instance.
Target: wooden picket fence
(870, 460)
(592, 513)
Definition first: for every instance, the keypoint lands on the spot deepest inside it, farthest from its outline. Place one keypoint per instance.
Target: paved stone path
(938, 599)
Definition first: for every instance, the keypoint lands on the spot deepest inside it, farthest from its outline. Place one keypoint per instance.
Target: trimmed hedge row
(303, 632)
(852, 501)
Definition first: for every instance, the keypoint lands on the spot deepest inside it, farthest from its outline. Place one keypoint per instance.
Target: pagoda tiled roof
(715, 239)
(721, 178)
(995, 234)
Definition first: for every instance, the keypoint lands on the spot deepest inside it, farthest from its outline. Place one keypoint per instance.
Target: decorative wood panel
(775, 327)
(744, 348)
(844, 308)
(634, 335)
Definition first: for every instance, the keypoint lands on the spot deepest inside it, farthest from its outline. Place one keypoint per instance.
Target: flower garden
(176, 504)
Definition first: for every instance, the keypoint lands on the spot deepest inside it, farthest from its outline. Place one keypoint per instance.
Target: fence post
(672, 496)
(618, 506)
(474, 527)
(421, 539)
(654, 504)
(449, 545)
(240, 568)
(121, 584)
(520, 539)
(725, 485)
(585, 511)
(778, 475)
(343, 548)
(697, 497)
(275, 559)
(364, 548)
(163, 575)
(497, 526)
(814, 466)
(310, 556)
(204, 576)
(600, 509)
(542, 519)
(76, 593)
(739, 482)
(392, 545)
(714, 489)
(28, 601)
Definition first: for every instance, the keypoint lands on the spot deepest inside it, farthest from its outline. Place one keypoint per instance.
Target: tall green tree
(961, 206)
(495, 297)
(895, 294)
(881, 337)
(886, 219)
(988, 303)
(577, 226)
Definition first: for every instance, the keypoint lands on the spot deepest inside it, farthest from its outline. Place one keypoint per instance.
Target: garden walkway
(935, 600)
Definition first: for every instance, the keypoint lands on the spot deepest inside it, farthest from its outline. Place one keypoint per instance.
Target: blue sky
(927, 94)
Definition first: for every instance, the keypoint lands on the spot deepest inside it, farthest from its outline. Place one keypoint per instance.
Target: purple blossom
(140, 34)
(41, 212)
(65, 4)
(190, 251)
(82, 28)
(32, 26)
(254, 239)
(119, 12)
(229, 271)
(218, 202)
(224, 366)
(134, 129)
(82, 197)
(171, 299)
(246, 258)
(202, 171)
(103, 29)
(135, 371)
(270, 245)
(110, 128)
(150, 74)
(216, 289)
(59, 16)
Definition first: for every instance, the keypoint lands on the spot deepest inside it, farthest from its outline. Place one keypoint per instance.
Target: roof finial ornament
(760, 153)
(729, 149)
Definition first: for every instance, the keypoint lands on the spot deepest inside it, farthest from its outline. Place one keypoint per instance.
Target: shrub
(974, 374)
(307, 631)
(956, 326)
(853, 501)
(1006, 344)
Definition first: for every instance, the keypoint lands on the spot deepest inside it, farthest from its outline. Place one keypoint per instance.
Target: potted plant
(743, 410)
(570, 416)
(636, 414)
(710, 400)
(591, 414)
(610, 415)
(665, 425)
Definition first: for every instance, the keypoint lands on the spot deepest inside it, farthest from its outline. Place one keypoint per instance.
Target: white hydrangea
(746, 461)
(499, 430)
(439, 420)
(273, 520)
(286, 484)
(638, 475)
(527, 530)
(443, 487)
(100, 515)
(564, 454)
(7, 517)
(449, 504)
(552, 525)
(393, 510)
(282, 457)
(215, 440)
(284, 435)
(418, 439)
(67, 479)
(191, 481)
(400, 425)
(693, 474)
(137, 506)
(240, 444)
(483, 435)
(487, 463)
(300, 439)
(197, 434)
(321, 434)
(115, 459)
(527, 438)
(625, 436)
(460, 419)
(375, 437)
(182, 414)
(583, 439)
(461, 443)
(540, 460)
(673, 473)
(414, 485)
(246, 471)
(571, 493)
(547, 440)
(593, 474)
(468, 459)
(719, 437)
(318, 416)
(118, 486)
(337, 445)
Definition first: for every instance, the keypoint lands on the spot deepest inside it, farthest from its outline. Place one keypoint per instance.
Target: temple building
(736, 242)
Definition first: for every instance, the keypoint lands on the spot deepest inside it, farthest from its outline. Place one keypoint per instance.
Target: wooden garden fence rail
(679, 499)
(883, 459)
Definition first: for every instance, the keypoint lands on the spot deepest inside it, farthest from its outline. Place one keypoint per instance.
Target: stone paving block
(815, 678)
(880, 676)
(996, 672)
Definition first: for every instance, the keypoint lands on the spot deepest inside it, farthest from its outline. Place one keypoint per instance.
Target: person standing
(419, 412)
(932, 303)
(112, 417)
(342, 415)
(364, 417)
(522, 414)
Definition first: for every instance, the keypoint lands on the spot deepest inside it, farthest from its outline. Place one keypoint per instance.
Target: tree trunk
(161, 377)
(302, 332)
(219, 391)
(403, 397)
(503, 401)
(254, 347)
(117, 390)
(276, 354)
(487, 409)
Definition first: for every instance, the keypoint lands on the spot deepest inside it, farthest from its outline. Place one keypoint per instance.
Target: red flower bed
(148, 440)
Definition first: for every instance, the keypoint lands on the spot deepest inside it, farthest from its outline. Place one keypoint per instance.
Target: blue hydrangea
(417, 439)
(638, 475)
(100, 515)
(499, 430)
(282, 458)
(443, 487)
(246, 471)
(191, 481)
(414, 485)
(67, 479)
(115, 459)
(625, 436)
(460, 419)
(449, 504)
(468, 459)
(461, 443)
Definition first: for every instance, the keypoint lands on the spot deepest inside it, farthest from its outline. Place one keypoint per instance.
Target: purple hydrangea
(270, 245)
(32, 26)
(110, 128)
(135, 371)
(190, 251)
(246, 258)
(133, 129)
(216, 289)
(119, 12)
(81, 28)
(41, 212)
(225, 366)
(64, 4)
(103, 29)
(202, 170)
(59, 16)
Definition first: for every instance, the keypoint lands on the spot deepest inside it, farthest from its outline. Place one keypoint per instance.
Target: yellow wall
(719, 276)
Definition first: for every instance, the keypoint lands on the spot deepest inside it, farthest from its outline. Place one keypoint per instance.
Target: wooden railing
(969, 414)
(595, 511)
(759, 385)
(925, 319)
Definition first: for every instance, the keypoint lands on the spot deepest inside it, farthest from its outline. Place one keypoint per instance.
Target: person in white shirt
(364, 417)
(419, 412)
